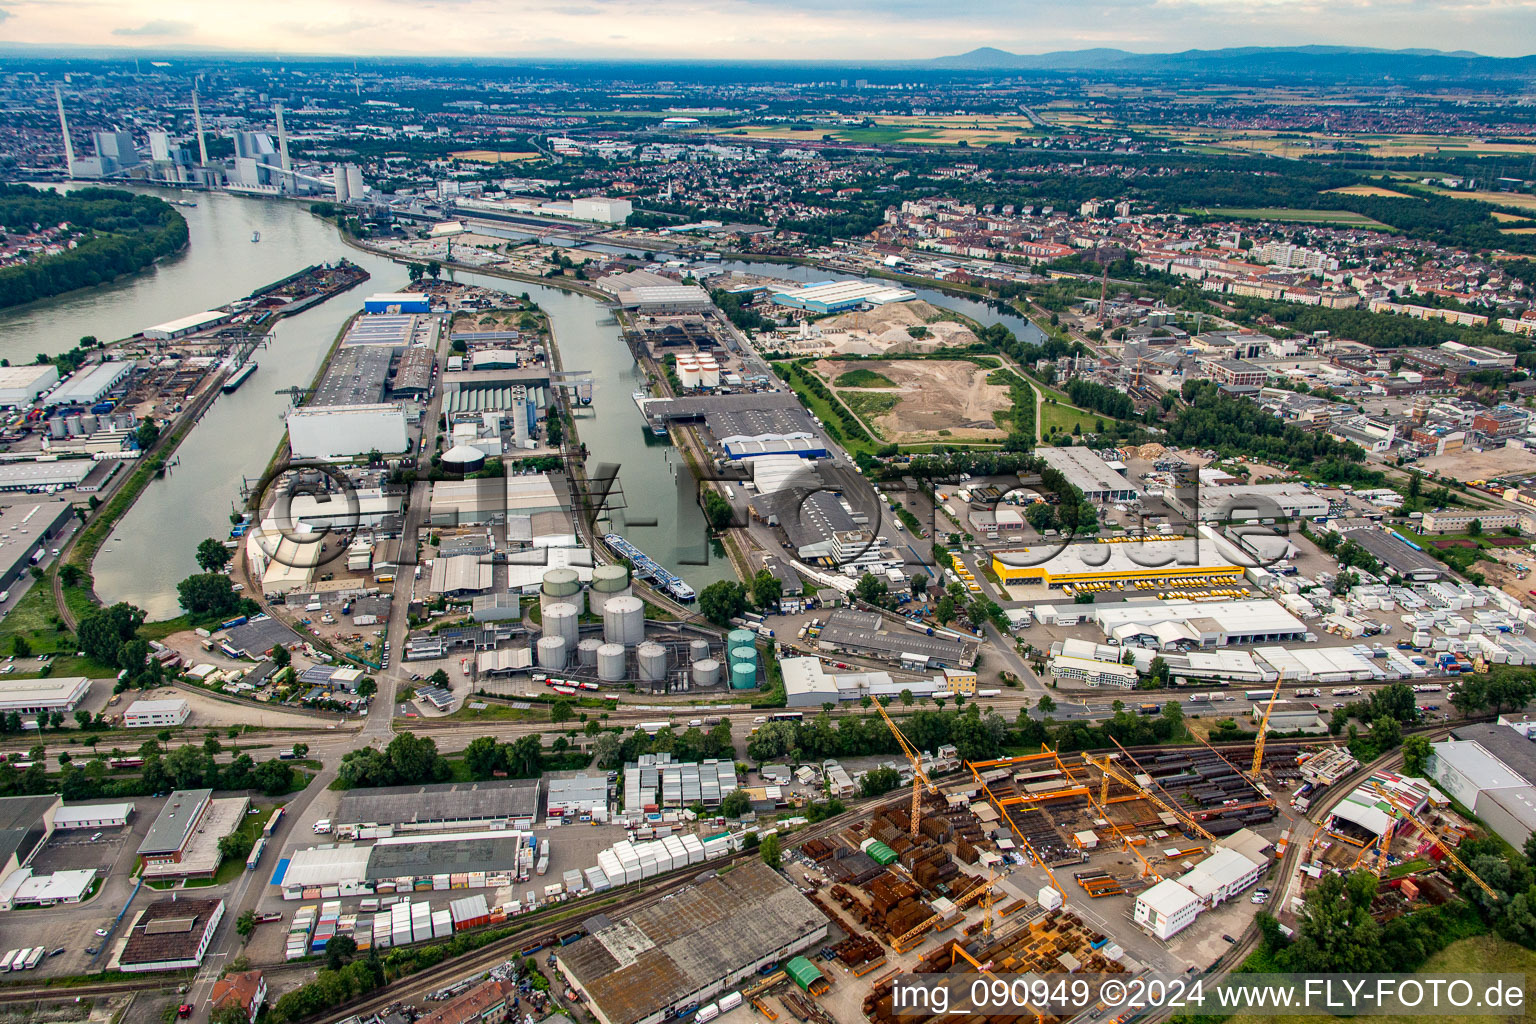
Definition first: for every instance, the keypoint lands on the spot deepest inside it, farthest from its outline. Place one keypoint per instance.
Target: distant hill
(1341, 62)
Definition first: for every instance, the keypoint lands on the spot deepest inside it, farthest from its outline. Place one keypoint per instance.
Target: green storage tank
(743, 676)
(743, 656)
(740, 638)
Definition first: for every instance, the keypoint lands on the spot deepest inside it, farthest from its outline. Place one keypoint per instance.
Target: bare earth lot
(932, 395)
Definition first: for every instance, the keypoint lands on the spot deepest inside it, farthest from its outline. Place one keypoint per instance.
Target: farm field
(491, 156)
(1366, 190)
(1342, 217)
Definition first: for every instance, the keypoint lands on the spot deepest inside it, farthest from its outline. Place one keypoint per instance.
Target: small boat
(255, 236)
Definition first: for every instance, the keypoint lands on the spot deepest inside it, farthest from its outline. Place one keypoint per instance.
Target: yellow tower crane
(1434, 837)
(1258, 747)
(914, 757)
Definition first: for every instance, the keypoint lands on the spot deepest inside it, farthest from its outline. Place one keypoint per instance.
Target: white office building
(1166, 909)
(156, 714)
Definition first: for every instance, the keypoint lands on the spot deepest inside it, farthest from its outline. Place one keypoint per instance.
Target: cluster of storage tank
(741, 658)
(698, 371)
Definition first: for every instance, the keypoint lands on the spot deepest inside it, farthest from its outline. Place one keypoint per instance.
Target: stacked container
(695, 849)
(421, 921)
(442, 924)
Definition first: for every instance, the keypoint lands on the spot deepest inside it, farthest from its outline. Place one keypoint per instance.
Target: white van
(322, 826)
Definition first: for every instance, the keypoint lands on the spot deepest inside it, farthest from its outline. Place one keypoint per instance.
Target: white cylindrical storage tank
(608, 582)
(561, 585)
(698, 650)
(551, 652)
(652, 662)
(688, 374)
(586, 652)
(624, 620)
(610, 662)
(706, 672)
(709, 374)
(561, 619)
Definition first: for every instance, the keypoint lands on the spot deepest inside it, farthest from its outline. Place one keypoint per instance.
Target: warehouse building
(577, 794)
(1289, 716)
(1249, 501)
(24, 476)
(1199, 624)
(601, 209)
(1088, 472)
(91, 384)
(494, 499)
(1166, 909)
(171, 935)
(347, 431)
(27, 529)
(39, 696)
(703, 941)
(1174, 562)
(666, 298)
(183, 842)
(397, 302)
(156, 714)
(26, 822)
(23, 385)
(443, 807)
(870, 633)
(657, 781)
(807, 684)
(189, 324)
(1396, 555)
(413, 374)
(458, 860)
(841, 296)
(1490, 769)
(93, 816)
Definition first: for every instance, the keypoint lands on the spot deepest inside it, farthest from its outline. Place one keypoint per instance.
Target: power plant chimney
(69, 147)
(282, 141)
(197, 122)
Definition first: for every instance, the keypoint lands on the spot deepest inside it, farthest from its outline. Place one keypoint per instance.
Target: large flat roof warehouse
(668, 296)
(1061, 564)
(419, 855)
(692, 945)
(30, 696)
(20, 476)
(391, 330)
(22, 384)
(441, 806)
(170, 934)
(871, 633)
(173, 826)
(1089, 473)
(356, 376)
(1205, 623)
(1394, 553)
(90, 385)
(836, 296)
(185, 324)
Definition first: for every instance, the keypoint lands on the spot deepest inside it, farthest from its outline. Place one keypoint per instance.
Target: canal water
(652, 501)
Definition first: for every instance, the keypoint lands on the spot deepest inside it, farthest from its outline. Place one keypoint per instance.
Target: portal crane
(1002, 810)
(1185, 819)
(1434, 837)
(914, 757)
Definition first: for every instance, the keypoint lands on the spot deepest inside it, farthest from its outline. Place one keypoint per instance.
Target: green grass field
(867, 406)
(1061, 418)
(1342, 217)
(862, 378)
(1481, 955)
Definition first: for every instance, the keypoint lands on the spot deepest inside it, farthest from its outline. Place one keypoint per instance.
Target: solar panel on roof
(170, 925)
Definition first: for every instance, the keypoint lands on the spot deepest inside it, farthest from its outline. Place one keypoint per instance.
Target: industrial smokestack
(69, 147)
(282, 140)
(197, 122)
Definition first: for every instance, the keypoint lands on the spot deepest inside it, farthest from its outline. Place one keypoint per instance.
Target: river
(152, 547)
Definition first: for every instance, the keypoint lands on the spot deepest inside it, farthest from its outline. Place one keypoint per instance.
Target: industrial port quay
(485, 582)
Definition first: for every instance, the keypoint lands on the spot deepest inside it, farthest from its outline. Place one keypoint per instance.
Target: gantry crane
(1258, 747)
(1002, 810)
(1185, 819)
(1434, 837)
(915, 758)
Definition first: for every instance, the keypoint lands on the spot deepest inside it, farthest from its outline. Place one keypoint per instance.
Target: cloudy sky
(762, 29)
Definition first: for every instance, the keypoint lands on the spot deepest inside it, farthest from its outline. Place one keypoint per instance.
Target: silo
(624, 620)
(72, 425)
(560, 619)
(88, 422)
(462, 460)
(608, 582)
(586, 652)
(551, 652)
(743, 677)
(743, 656)
(698, 650)
(739, 638)
(610, 662)
(561, 586)
(652, 662)
(706, 672)
(56, 428)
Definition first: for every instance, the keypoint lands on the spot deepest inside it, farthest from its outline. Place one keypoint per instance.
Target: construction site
(1030, 864)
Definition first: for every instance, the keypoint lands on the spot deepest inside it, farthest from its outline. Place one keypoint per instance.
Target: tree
(203, 594)
(560, 711)
(211, 555)
(439, 678)
(717, 510)
(1475, 528)
(147, 434)
(245, 924)
(907, 698)
(367, 688)
(767, 590)
(919, 585)
(1416, 751)
(102, 633)
(483, 757)
(768, 849)
(870, 588)
(1046, 704)
(281, 656)
(722, 601)
(339, 950)
(879, 781)
(735, 804)
(605, 751)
